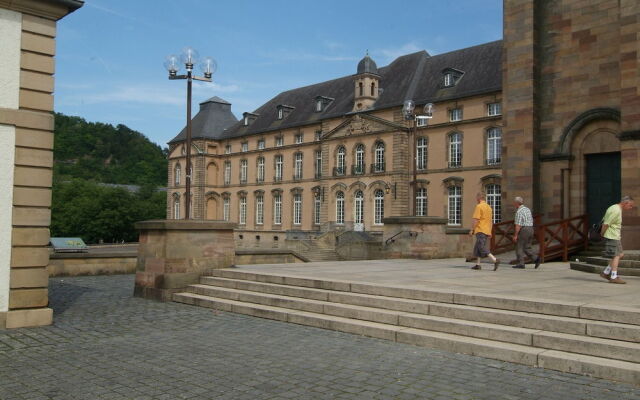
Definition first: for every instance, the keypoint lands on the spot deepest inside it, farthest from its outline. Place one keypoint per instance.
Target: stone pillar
(173, 254)
(424, 238)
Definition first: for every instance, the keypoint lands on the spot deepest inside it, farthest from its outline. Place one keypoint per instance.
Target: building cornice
(50, 9)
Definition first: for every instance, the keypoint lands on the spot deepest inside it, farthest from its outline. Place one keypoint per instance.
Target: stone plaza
(106, 344)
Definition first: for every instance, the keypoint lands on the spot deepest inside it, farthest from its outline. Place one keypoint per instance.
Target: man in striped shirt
(523, 233)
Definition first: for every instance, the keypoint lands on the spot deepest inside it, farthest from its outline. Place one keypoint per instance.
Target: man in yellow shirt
(611, 225)
(482, 227)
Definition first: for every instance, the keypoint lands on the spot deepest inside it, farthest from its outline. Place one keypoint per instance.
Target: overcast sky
(110, 52)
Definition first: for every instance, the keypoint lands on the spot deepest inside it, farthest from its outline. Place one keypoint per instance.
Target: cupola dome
(367, 65)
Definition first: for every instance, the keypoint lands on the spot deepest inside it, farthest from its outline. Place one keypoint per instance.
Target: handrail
(392, 238)
(556, 238)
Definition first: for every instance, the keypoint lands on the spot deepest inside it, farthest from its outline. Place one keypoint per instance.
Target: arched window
(259, 209)
(177, 172)
(176, 207)
(455, 205)
(260, 172)
(455, 150)
(359, 167)
(373, 89)
(340, 208)
(421, 153)
(242, 214)
(361, 88)
(226, 208)
(378, 207)
(277, 208)
(494, 199)
(340, 160)
(421, 202)
(379, 158)
(297, 209)
(297, 167)
(358, 208)
(494, 146)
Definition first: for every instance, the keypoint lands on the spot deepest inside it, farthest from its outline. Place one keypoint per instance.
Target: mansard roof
(210, 122)
(417, 76)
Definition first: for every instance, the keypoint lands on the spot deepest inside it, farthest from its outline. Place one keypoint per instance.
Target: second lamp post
(173, 64)
(409, 114)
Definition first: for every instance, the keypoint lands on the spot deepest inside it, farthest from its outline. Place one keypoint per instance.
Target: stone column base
(173, 254)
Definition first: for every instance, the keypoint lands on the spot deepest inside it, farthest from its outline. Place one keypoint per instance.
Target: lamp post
(408, 111)
(208, 66)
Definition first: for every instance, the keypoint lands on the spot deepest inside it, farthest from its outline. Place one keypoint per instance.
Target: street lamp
(208, 66)
(408, 111)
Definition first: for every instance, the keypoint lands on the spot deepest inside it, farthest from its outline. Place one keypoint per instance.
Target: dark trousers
(523, 247)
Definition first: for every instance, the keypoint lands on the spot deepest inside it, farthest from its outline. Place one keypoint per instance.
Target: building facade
(336, 155)
(27, 49)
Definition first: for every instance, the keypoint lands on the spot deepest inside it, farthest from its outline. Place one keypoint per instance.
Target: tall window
(279, 167)
(242, 220)
(421, 155)
(421, 202)
(358, 207)
(318, 165)
(316, 209)
(494, 199)
(318, 105)
(277, 209)
(379, 165)
(176, 207)
(455, 205)
(226, 208)
(297, 209)
(243, 171)
(340, 208)
(297, 171)
(455, 114)
(378, 206)
(360, 89)
(177, 172)
(340, 160)
(455, 150)
(448, 79)
(359, 167)
(259, 209)
(494, 109)
(318, 135)
(494, 146)
(227, 172)
(260, 172)
(373, 89)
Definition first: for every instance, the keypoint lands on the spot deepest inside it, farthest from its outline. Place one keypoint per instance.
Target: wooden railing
(556, 239)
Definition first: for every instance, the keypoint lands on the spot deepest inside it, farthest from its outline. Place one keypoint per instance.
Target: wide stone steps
(595, 268)
(562, 336)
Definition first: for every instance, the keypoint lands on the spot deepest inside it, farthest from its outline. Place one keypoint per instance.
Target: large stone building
(27, 49)
(335, 155)
(550, 113)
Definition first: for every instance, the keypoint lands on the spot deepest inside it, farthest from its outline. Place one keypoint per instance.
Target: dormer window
(284, 110)
(248, 118)
(451, 76)
(322, 103)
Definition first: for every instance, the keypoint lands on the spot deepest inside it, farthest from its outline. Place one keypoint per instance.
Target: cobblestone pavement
(105, 344)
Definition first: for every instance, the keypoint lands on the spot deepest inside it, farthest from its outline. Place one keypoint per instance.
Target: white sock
(607, 270)
(614, 274)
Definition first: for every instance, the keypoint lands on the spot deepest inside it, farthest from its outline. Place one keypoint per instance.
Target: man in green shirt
(611, 225)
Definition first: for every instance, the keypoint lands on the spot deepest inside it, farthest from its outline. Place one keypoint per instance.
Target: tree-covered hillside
(104, 153)
(88, 155)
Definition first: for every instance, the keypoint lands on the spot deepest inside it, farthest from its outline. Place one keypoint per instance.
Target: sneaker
(617, 280)
(605, 276)
(537, 262)
(519, 266)
(476, 267)
(495, 264)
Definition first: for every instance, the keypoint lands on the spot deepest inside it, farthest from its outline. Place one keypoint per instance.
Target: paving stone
(106, 344)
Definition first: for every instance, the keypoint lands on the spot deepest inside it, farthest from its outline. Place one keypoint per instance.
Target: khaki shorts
(612, 248)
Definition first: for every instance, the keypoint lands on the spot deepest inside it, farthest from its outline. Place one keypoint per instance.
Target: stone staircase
(590, 340)
(591, 260)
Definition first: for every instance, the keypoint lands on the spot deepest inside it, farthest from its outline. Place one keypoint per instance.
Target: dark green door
(603, 184)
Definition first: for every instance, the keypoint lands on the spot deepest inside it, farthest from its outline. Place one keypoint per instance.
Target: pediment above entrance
(363, 124)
